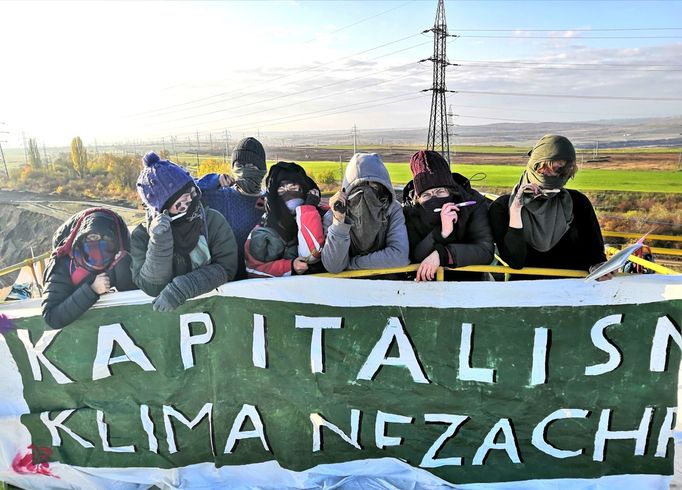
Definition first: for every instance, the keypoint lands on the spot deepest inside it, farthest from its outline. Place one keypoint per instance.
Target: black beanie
(429, 170)
(249, 150)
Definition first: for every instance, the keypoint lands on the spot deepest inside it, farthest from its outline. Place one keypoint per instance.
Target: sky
(136, 71)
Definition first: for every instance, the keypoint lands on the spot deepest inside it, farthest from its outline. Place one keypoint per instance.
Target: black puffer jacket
(471, 241)
(63, 302)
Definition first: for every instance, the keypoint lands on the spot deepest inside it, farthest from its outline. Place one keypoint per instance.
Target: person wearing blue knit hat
(182, 250)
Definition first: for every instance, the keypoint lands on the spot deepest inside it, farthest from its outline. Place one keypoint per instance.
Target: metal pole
(4, 162)
(355, 139)
(198, 147)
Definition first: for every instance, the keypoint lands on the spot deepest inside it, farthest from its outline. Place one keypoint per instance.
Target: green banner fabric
(486, 393)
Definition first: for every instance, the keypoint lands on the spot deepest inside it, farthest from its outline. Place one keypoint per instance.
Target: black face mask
(427, 209)
(288, 195)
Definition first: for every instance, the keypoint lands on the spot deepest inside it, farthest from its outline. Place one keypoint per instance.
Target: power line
(299, 102)
(344, 108)
(544, 111)
(362, 20)
(289, 94)
(570, 68)
(567, 96)
(566, 38)
(552, 63)
(580, 29)
(393, 79)
(279, 78)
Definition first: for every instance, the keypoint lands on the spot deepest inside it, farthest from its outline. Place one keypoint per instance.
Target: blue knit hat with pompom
(160, 180)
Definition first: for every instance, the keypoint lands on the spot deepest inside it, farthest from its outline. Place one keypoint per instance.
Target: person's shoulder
(579, 199)
(409, 210)
(140, 231)
(501, 201)
(213, 216)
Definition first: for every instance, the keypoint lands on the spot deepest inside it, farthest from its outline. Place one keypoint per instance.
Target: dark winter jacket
(63, 301)
(471, 240)
(581, 247)
(153, 258)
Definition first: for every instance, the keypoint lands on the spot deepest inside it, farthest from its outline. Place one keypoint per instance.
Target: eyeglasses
(436, 192)
(182, 203)
(284, 188)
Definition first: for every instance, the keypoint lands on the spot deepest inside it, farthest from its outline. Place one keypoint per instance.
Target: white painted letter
(509, 443)
(466, 372)
(148, 426)
(107, 335)
(429, 460)
(169, 411)
(316, 347)
(36, 357)
(407, 357)
(58, 423)
(187, 340)
(667, 432)
(603, 434)
(103, 429)
(602, 343)
(236, 432)
(538, 374)
(665, 330)
(319, 422)
(259, 354)
(541, 443)
(380, 437)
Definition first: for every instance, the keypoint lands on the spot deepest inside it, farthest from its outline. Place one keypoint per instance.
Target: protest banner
(304, 381)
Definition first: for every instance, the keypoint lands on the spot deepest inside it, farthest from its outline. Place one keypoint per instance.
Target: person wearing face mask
(542, 224)
(365, 225)
(182, 250)
(447, 220)
(239, 197)
(90, 258)
(290, 237)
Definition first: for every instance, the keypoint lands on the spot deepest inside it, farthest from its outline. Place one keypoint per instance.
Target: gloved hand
(170, 298)
(313, 197)
(160, 224)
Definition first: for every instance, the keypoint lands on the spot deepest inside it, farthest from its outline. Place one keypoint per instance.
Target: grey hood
(366, 167)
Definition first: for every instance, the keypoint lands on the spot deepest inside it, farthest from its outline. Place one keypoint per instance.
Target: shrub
(212, 166)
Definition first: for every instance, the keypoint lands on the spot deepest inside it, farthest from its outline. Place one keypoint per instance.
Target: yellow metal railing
(440, 273)
(622, 234)
(40, 260)
(676, 252)
(498, 269)
(658, 268)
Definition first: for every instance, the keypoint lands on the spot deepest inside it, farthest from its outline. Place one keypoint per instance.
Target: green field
(508, 175)
(13, 156)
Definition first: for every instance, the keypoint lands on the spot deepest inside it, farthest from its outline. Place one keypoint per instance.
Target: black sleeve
(476, 246)
(591, 240)
(62, 302)
(510, 241)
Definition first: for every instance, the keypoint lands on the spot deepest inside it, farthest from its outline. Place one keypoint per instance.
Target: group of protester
(199, 234)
